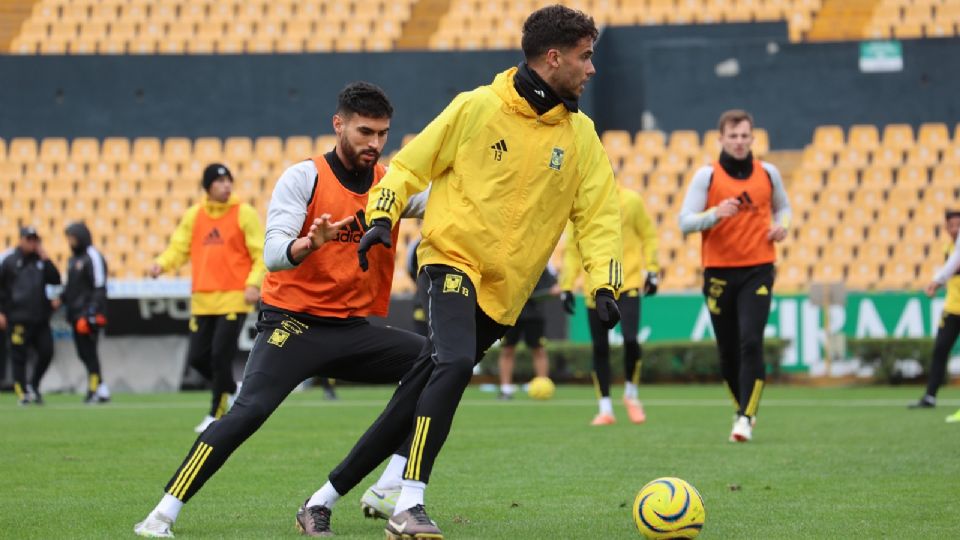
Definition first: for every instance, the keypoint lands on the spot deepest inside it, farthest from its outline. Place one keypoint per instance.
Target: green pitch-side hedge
(674, 361)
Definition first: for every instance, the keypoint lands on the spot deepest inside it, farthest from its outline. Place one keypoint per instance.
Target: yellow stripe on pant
(754, 402)
(416, 448)
(190, 470)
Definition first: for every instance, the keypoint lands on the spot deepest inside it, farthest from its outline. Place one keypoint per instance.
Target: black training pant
(86, 345)
(287, 351)
(629, 304)
(212, 348)
(946, 337)
(23, 338)
(739, 303)
(427, 398)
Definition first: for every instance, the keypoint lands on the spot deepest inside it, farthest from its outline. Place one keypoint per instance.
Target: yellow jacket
(178, 253)
(505, 181)
(640, 246)
(951, 304)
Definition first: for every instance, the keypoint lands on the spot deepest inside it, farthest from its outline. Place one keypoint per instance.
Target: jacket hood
(503, 86)
(80, 231)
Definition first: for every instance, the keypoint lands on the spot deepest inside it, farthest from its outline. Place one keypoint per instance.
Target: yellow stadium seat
(684, 143)
(650, 143)
(289, 44)
(898, 275)
(908, 30)
(162, 12)
(848, 235)
(876, 177)
(868, 197)
(298, 148)
(664, 182)
(24, 45)
(807, 180)
(853, 157)
(873, 253)
(824, 215)
(636, 163)
(922, 156)
(3, 151)
(907, 196)
(938, 198)
(792, 277)
(111, 45)
(53, 150)
(834, 200)
(115, 150)
(946, 175)
(269, 149)
(208, 150)
(816, 159)
(827, 272)
(145, 150)
(85, 150)
(828, 138)
(761, 142)
(55, 44)
(934, 136)
(142, 45)
(177, 150)
(912, 176)
(842, 179)
(887, 157)
(930, 213)
(617, 143)
(201, 45)
(171, 46)
(237, 150)
(84, 45)
(862, 275)
(864, 137)
(917, 14)
(324, 144)
(898, 136)
(938, 29)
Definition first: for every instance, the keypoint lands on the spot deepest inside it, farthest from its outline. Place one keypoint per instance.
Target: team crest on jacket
(556, 158)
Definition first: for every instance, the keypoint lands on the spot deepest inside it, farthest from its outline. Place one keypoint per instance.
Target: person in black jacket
(25, 311)
(85, 299)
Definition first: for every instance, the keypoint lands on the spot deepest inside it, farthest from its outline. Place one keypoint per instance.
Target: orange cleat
(635, 410)
(603, 419)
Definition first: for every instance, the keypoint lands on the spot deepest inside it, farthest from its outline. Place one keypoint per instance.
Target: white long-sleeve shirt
(695, 216)
(288, 209)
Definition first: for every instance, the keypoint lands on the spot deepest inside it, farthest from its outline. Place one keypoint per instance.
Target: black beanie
(212, 172)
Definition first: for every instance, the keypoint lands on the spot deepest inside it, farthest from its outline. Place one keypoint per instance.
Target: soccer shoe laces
(320, 516)
(419, 514)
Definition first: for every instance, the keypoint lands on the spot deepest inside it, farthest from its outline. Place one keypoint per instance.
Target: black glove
(651, 284)
(378, 233)
(607, 309)
(568, 301)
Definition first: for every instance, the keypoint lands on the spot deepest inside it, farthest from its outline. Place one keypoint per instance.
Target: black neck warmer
(537, 92)
(737, 168)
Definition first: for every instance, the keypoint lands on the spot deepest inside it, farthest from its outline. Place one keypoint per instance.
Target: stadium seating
(208, 26)
(875, 218)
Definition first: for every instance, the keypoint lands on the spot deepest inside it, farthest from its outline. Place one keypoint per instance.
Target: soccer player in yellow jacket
(641, 274)
(510, 163)
(948, 276)
(222, 239)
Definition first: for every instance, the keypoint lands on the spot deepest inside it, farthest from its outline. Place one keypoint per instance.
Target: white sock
(169, 506)
(507, 388)
(606, 407)
(393, 475)
(629, 390)
(325, 496)
(103, 391)
(410, 496)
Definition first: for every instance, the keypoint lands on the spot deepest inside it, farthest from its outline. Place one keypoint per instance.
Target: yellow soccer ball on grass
(541, 388)
(669, 508)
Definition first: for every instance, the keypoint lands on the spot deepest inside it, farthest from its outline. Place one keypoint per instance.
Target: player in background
(740, 206)
(85, 299)
(25, 311)
(222, 238)
(531, 328)
(316, 301)
(641, 277)
(510, 163)
(949, 327)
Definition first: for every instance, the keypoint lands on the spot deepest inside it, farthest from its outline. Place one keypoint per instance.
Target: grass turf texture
(825, 463)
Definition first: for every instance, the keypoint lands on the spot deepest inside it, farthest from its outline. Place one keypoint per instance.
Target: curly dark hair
(365, 99)
(555, 27)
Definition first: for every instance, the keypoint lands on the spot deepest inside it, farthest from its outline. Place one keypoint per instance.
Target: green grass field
(825, 463)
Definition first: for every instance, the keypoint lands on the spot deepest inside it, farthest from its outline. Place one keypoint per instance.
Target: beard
(356, 158)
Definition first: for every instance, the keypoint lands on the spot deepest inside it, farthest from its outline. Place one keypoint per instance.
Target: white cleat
(156, 525)
(204, 424)
(379, 503)
(742, 430)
